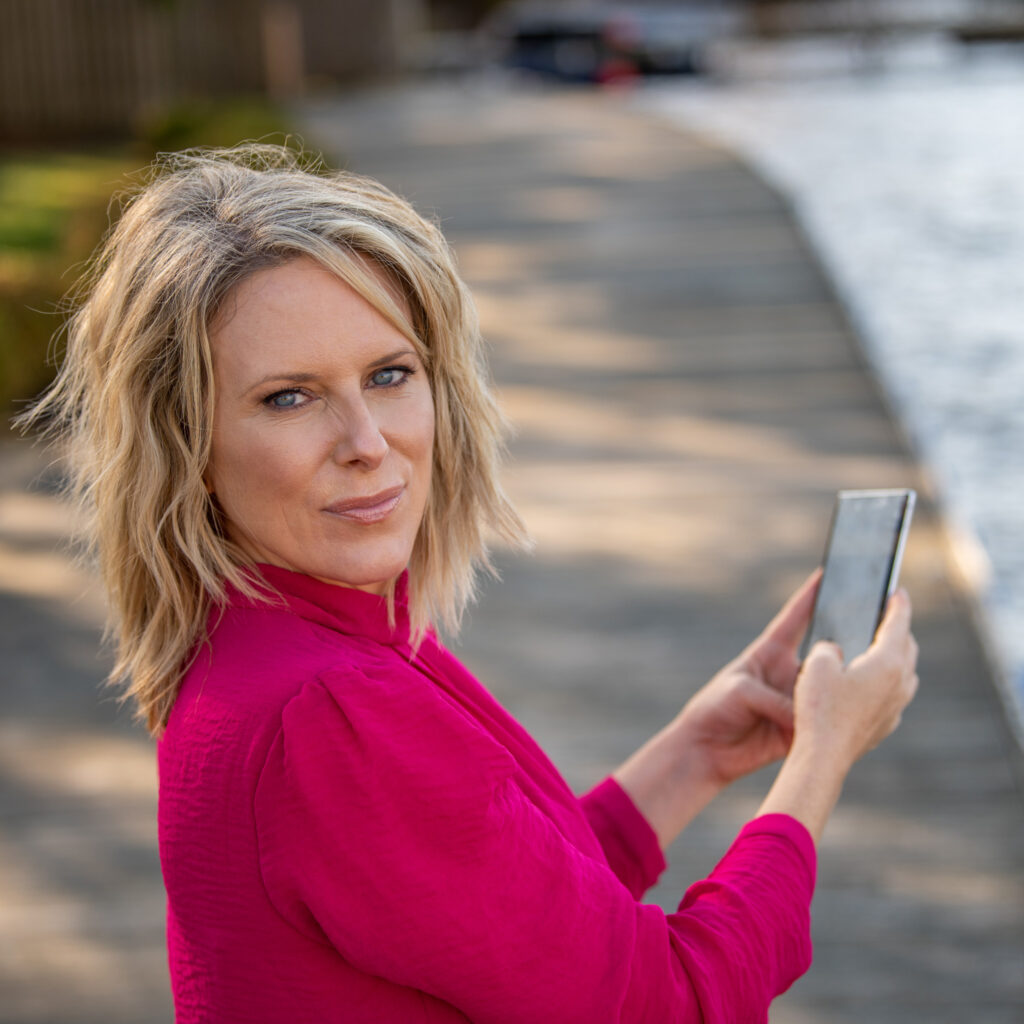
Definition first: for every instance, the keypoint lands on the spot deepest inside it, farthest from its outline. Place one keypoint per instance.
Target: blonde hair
(134, 395)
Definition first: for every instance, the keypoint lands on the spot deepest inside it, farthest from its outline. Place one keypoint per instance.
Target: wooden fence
(89, 68)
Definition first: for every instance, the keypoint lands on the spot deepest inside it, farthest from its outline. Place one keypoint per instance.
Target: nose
(359, 440)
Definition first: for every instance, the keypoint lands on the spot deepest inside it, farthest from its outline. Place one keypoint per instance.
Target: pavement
(687, 396)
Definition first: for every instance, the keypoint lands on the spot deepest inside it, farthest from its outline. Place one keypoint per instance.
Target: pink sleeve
(375, 838)
(744, 932)
(628, 841)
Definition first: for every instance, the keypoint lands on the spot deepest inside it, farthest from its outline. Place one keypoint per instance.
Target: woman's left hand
(742, 719)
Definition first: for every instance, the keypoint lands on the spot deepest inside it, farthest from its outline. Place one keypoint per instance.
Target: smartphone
(862, 564)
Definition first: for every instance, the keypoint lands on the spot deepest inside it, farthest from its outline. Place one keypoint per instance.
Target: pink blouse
(351, 833)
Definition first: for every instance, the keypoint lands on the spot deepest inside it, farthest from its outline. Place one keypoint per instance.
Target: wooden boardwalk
(687, 396)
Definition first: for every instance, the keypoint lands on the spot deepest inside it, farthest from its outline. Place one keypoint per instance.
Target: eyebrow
(304, 376)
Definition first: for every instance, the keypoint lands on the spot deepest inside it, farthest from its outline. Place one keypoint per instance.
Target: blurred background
(893, 130)
(894, 125)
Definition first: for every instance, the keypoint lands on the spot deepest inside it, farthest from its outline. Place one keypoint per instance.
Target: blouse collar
(345, 609)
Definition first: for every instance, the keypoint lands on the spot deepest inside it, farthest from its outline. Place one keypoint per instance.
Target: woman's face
(323, 428)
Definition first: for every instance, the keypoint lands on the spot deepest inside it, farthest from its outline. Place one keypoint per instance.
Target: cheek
(408, 426)
(425, 433)
(243, 466)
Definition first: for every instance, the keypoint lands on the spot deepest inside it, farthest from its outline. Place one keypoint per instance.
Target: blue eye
(284, 399)
(390, 377)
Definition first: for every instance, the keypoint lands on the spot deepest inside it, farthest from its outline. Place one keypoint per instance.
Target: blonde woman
(279, 419)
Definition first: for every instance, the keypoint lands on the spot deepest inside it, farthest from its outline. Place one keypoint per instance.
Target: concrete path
(81, 902)
(687, 396)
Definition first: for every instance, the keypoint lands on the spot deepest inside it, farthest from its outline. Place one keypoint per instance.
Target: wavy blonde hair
(134, 395)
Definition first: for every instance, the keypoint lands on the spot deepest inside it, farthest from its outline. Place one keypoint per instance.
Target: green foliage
(207, 122)
(54, 211)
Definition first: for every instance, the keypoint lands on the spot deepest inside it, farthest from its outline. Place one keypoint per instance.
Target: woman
(280, 420)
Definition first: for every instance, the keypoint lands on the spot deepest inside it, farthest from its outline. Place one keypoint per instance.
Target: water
(907, 171)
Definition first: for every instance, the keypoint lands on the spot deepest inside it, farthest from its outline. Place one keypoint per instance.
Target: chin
(375, 577)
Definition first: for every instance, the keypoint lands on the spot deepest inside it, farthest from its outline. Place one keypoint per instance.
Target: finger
(789, 625)
(910, 689)
(824, 651)
(894, 631)
(769, 703)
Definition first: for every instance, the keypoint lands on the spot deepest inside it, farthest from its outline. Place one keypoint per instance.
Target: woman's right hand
(840, 713)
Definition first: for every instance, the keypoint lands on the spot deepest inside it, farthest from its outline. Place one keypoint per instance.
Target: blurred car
(599, 42)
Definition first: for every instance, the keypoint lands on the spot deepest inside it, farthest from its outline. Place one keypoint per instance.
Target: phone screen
(862, 563)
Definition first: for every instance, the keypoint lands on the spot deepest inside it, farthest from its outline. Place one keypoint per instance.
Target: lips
(371, 509)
